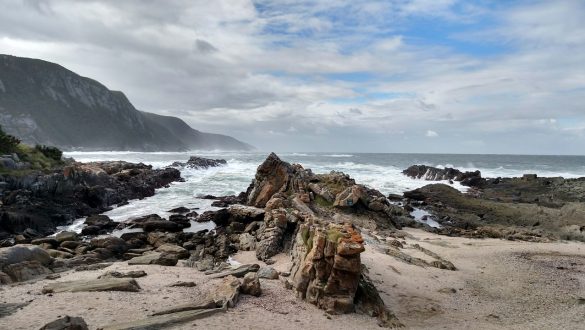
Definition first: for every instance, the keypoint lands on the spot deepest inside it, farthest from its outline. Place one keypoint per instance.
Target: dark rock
(113, 244)
(180, 209)
(66, 323)
(430, 173)
(161, 225)
(200, 163)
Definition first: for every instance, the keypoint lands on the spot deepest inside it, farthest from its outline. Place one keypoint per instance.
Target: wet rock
(200, 163)
(66, 323)
(251, 285)
(46, 240)
(109, 284)
(180, 209)
(430, 173)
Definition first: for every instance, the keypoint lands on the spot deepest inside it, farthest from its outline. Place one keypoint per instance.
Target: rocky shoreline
(321, 223)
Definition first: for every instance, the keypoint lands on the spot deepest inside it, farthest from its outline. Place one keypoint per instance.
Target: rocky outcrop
(430, 173)
(306, 215)
(326, 265)
(39, 202)
(200, 163)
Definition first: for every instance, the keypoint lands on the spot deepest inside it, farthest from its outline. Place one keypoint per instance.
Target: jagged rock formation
(314, 217)
(430, 173)
(44, 103)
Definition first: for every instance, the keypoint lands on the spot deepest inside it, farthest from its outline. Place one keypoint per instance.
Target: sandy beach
(498, 284)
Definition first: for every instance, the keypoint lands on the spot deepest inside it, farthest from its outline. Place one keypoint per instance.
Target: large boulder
(21, 253)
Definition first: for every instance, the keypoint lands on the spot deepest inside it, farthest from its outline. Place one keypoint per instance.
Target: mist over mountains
(44, 103)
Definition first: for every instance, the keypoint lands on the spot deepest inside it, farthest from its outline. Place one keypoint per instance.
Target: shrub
(50, 152)
(8, 143)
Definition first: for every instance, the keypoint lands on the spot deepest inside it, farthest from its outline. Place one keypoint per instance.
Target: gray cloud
(214, 64)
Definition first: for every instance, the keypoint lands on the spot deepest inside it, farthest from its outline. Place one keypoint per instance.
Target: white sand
(499, 285)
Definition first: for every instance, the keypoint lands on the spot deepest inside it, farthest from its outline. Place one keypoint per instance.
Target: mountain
(44, 103)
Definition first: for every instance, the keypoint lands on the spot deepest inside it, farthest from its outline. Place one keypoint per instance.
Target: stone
(351, 196)
(268, 273)
(25, 270)
(227, 293)
(109, 284)
(180, 252)
(59, 254)
(238, 272)
(70, 244)
(155, 258)
(165, 320)
(129, 274)
(66, 323)
(46, 240)
(246, 214)
(66, 236)
(161, 225)
(111, 243)
(7, 309)
(251, 285)
(20, 253)
(349, 248)
(247, 242)
(180, 209)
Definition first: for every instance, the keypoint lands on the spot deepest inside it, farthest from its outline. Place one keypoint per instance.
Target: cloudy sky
(346, 75)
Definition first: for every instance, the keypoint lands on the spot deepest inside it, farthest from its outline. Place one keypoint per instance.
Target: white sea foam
(382, 172)
(339, 156)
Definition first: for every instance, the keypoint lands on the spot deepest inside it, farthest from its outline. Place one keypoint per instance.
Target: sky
(424, 76)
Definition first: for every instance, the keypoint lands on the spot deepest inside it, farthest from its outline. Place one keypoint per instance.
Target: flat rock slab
(160, 321)
(10, 308)
(105, 284)
(238, 272)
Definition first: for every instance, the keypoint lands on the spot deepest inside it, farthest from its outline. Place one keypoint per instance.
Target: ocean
(379, 171)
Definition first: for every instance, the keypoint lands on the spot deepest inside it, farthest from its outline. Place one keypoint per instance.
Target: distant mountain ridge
(44, 103)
